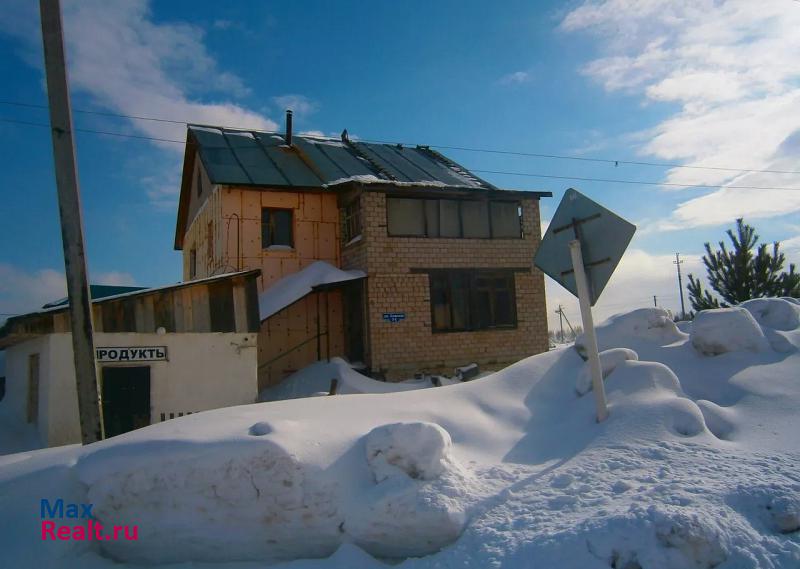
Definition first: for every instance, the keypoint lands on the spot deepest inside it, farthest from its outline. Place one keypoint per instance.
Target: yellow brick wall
(399, 349)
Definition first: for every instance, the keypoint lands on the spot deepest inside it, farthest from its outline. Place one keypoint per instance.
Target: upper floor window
(276, 228)
(412, 217)
(352, 220)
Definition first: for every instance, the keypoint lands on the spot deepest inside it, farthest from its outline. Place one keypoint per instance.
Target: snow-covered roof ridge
(292, 288)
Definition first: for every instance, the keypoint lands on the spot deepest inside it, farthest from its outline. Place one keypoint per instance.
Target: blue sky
(696, 83)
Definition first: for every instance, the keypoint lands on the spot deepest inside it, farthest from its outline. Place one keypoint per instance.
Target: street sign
(581, 248)
(394, 317)
(603, 236)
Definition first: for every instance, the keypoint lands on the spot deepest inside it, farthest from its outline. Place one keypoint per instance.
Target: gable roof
(242, 157)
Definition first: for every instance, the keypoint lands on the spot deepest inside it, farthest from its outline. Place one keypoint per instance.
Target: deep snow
(697, 466)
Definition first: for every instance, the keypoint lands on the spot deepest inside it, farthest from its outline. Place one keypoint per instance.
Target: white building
(162, 353)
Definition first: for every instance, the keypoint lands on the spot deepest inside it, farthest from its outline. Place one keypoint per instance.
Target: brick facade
(397, 350)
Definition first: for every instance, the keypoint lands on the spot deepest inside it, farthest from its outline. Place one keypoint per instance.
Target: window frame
(460, 202)
(271, 210)
(352, 221)
(471, 317)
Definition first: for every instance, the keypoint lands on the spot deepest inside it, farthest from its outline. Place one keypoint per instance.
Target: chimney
(288, 136)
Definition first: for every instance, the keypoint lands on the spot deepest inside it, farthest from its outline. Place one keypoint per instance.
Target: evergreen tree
(749, 270)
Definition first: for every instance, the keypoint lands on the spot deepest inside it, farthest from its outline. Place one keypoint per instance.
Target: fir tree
(749, 270)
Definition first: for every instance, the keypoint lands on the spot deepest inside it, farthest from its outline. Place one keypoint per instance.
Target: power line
(90, 131)
(589, 159)
(615, 162)
(637, 182)
(502, 172)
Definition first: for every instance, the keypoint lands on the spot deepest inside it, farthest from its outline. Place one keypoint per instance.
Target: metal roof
(244, 157)
(97, 292)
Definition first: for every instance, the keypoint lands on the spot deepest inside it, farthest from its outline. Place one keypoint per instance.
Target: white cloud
(114, 278)
(222, 24)
(23, 291)
(515, 78)
(299, 104)
(129, 64)
(731, 69)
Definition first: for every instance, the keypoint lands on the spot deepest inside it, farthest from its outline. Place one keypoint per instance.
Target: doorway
(353, 297)
(126, 399)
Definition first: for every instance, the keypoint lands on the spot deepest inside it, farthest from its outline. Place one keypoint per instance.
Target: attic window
(276, 228)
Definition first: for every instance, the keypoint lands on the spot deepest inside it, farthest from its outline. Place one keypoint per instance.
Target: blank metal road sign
(603, 235)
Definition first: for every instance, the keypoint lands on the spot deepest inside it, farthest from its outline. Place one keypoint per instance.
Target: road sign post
(580, 251)
(592, 352)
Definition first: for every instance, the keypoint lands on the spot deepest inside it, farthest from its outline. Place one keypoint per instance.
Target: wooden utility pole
(69, 208)
(560, 322)
(677, 262)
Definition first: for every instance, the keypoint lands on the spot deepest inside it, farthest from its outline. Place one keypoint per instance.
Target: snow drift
(696, 467)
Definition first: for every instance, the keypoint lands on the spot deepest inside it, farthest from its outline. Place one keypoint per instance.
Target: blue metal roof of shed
(242, 157)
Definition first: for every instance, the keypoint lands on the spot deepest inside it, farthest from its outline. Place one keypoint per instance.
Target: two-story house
(447, 256)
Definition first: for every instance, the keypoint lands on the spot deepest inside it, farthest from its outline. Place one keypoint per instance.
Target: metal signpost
(580, 250)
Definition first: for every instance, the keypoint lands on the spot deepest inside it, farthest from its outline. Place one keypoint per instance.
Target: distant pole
(69, 207)
(588, 330)
(561, 321)
(677, 262)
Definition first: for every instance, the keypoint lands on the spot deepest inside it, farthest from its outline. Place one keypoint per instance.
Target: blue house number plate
(394, 316)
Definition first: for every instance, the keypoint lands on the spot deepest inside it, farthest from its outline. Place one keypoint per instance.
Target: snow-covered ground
(697, 466)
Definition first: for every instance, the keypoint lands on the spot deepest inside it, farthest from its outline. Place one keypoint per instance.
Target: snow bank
(292, 288)
(775, 313)
(725, 330)
(651, 325)
(403, 515)
(696, 467)
(317, 377)
(609, 360)
(417, 450)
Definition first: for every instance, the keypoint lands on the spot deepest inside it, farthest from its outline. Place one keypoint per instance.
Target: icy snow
(697, 466)
(292, 288)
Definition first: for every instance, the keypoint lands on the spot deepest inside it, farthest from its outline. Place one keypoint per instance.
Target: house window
(469, 219)
(352, 220)
(468, 299)
(192, 263)
(276, 227)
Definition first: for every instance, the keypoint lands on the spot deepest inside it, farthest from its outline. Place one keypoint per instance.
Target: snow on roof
(292, 288)
(370, 179)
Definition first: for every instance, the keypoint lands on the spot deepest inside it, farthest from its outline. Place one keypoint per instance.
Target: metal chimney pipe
(288, 136)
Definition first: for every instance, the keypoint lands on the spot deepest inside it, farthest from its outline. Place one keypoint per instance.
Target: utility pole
(69, 207)
(561, 321)
(677, 262)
